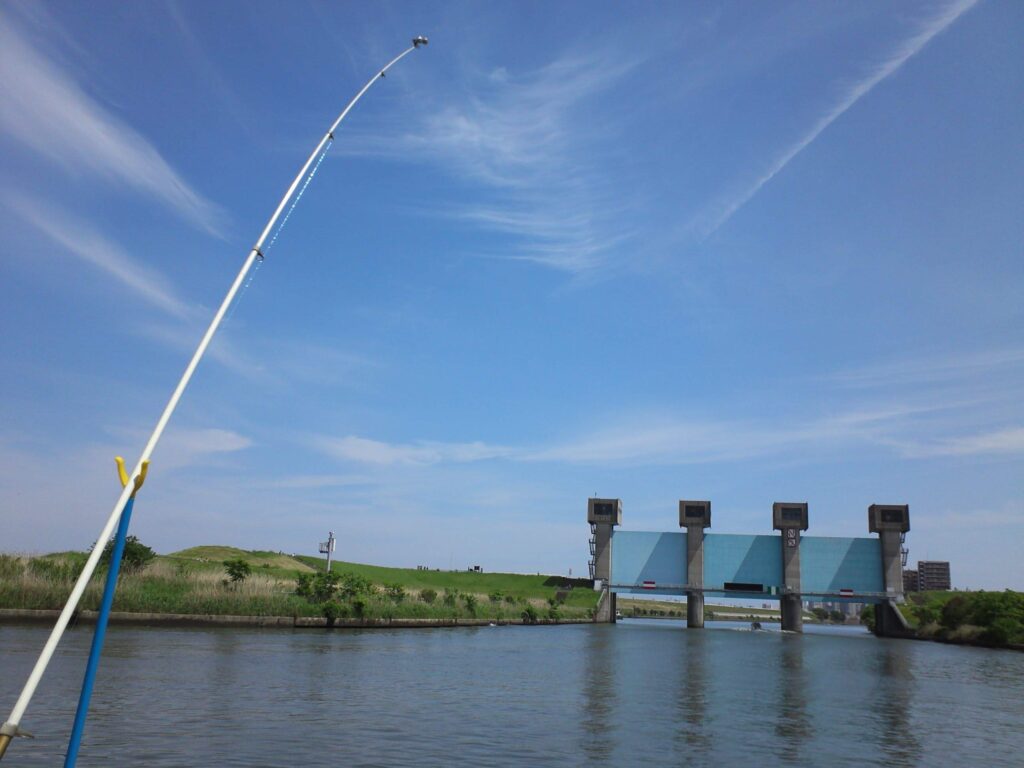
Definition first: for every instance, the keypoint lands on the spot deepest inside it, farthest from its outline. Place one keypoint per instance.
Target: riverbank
(26, 616)
(270, 585)
(980, 619)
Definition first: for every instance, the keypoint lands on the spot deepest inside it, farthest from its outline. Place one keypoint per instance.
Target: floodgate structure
(788, 567)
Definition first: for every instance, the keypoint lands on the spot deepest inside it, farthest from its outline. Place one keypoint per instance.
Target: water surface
(640, 692)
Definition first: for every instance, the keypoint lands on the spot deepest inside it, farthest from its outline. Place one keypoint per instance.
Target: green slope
(578, 591)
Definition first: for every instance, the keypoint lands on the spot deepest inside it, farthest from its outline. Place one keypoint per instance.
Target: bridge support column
(791, 519)
(792, 613)
(695, 610)
(603, 515)
(891, 522)
(695, 516)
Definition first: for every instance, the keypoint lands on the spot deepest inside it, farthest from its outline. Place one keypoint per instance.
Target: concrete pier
(695, 516)
(791, 519)
(890, 522)
(603, 515)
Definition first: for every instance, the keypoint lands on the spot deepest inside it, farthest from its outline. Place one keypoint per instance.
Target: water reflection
(632, 694)
(894, 705)
(599, 695)
(792, 725)
(693, 734)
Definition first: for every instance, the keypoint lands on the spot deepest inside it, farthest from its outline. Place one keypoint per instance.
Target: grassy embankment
(984, 618)
(194, 581)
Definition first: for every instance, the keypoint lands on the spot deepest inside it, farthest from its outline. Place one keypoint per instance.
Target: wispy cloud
(1002, 441)
(82, 241)
(667, 439)
(188, 446)
(932, 370)
(366, 451)
(713, 218)
(46, 110)
(525, 140)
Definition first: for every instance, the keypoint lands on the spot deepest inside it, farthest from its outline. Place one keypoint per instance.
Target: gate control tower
(891, 522)
(791, 519)
(603, 515)
(694, 516)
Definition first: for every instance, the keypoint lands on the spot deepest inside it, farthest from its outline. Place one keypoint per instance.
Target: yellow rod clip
(123, 474)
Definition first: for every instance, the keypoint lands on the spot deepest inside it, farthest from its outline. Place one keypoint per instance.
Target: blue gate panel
(639, 556)
(828, 565)
(733, 558)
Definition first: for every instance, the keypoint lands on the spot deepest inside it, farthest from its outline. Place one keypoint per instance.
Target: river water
(636, 693)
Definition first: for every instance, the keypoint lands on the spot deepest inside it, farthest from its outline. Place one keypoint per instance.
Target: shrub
(927, 614)
(449, 598)
(353, 585)
(553, 613)
(395, 591)
(470, 604)
(428, 596)
(495, 597)
(867, 617)
(955, 612)
(317, 587)
(529, 615)
(510, 599)
(359, 607)
(136, 555)
(237, 569)
(1003, 630)
(332, 611)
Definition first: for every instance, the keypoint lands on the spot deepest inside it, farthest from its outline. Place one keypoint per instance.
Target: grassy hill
(215, 555)
(280, 565)
(194, 581)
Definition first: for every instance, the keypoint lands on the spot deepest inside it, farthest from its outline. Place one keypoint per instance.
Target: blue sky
(745, 252)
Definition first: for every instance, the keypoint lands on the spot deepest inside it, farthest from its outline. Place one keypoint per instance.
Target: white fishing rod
(10, 728)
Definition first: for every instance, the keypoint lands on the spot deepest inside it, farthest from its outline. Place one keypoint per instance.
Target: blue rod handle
(100, 634)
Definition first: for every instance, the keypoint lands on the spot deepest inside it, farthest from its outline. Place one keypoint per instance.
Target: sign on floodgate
(745, 565)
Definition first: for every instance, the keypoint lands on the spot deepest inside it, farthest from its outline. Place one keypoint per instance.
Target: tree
(135, 557)
(428, 596)
(317, 587)
(353, 585)
(237, 568)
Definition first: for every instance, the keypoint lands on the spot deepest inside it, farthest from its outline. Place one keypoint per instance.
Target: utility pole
(327, 547)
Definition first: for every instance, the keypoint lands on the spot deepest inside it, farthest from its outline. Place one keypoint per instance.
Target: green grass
(193, 581)
(528, 587)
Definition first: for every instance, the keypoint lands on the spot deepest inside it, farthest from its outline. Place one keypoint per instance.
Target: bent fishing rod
(10, 728)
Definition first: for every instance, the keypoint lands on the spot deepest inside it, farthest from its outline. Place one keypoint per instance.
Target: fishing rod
(11, 729)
